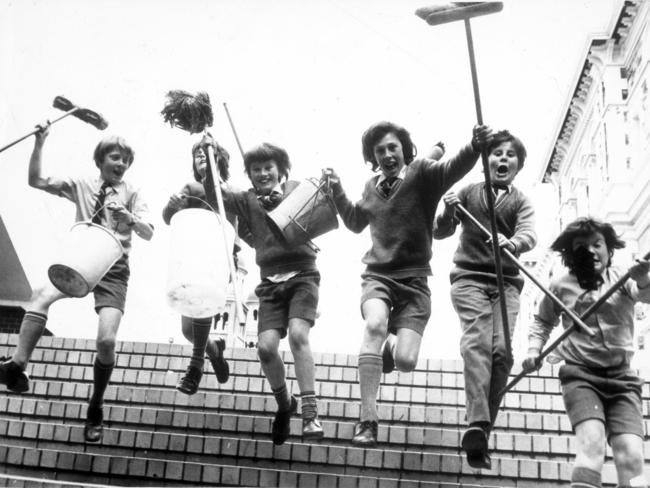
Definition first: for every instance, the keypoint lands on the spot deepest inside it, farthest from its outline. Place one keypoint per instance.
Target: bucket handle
(324, 182)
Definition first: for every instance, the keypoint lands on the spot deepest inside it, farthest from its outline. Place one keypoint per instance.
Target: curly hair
(109, 143)
(581, 227)
(265, 152)
(376, 132)
(505, 136)
(222, 158)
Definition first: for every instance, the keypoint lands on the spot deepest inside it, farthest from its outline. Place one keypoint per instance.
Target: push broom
(193, 113)
(442, 14)
(89, 116)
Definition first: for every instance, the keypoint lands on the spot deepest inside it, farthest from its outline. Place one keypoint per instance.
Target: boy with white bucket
(108, 202)
(197, 329)
(288, 291)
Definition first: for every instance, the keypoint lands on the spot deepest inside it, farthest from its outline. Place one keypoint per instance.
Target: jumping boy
(474, 292)
(288, 292)
(197, 330)
(399, 206)
(113, 203)
(602, 394)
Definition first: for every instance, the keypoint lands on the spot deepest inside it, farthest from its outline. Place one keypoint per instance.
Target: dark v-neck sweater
(272, 253)
(474, 259)
(401, 224)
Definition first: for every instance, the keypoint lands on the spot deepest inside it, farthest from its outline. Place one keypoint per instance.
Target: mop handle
(569, 330)
(489, 197)
(38, 129)
(234, 131)
(231, 263)
(523, 269)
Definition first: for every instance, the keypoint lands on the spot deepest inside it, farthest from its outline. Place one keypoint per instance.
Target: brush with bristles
(192, 113)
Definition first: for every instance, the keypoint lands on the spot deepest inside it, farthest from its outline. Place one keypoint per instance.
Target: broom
(193, 113)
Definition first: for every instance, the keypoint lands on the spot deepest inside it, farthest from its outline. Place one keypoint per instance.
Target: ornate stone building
(599, 162)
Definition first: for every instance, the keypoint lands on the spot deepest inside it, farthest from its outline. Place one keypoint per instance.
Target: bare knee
(43, 297)
(106, 346)
(298, 339)
(590, 436)
(406, 362)
(266, 351)
(627, 450)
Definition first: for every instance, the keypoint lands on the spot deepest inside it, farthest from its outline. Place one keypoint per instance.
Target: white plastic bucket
(305, 213)
(198, 276)
(89, 252)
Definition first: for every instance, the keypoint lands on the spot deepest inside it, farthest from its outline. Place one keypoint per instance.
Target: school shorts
(295, 298)
(612, 396)
(111, 290)
(408, 299)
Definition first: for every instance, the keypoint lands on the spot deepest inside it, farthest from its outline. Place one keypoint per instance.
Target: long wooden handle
(13, 143)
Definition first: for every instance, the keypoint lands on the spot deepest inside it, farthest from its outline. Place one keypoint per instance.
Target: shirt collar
(400, 176)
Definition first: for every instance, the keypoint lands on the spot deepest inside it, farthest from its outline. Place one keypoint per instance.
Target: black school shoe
(12, 375)
(312, 429)
(94, 430)
(365, 433)
(282, 423)
(475, 445)
(220, 365)
(189, 383)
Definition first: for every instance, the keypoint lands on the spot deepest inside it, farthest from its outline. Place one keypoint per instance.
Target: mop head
(192, 113)
(584, 269)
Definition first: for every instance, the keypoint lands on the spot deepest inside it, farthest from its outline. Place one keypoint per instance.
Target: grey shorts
(609, 395)
(408, 299)
(295, 298)
(111, 290)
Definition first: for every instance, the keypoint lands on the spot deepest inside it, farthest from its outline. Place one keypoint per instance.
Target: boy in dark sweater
(474, 291)
(601, 392)
(288, 292)
(399, 206)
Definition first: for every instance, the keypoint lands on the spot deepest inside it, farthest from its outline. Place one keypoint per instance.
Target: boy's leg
(189, 383)
(501, 366)
(375, 312)
(590, 454)
(12, 372)
(109, 322)
(213, 349)
(407, 349)
(273, 368)
(628, 458)
(305, 375)
(474, 309)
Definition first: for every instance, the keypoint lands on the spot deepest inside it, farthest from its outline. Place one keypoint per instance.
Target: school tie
(386, 186)
(270, 201)
(101, 196)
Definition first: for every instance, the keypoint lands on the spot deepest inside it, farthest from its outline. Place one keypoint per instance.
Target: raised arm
(457, 167)
(35, 176)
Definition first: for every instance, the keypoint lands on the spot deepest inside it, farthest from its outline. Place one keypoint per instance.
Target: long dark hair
(376, 132)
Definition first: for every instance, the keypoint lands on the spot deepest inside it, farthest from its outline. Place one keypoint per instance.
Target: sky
(308, 76)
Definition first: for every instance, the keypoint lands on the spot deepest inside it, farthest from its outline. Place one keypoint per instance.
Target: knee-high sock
(101, 376)
(309, 405)
(369, 377)
(200, 332)
(31, 330)
(585, 478)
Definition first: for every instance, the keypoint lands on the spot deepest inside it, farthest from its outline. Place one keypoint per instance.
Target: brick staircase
(156, 436)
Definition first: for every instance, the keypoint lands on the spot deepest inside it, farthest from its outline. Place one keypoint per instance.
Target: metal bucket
(307, 212)
(89, 252)
(198, 275)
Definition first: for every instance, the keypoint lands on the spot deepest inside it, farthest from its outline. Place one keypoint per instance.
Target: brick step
(386, 463)
(131, 469)
(533, 393)
(29, 481)
(120, 396)
(172, 421)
